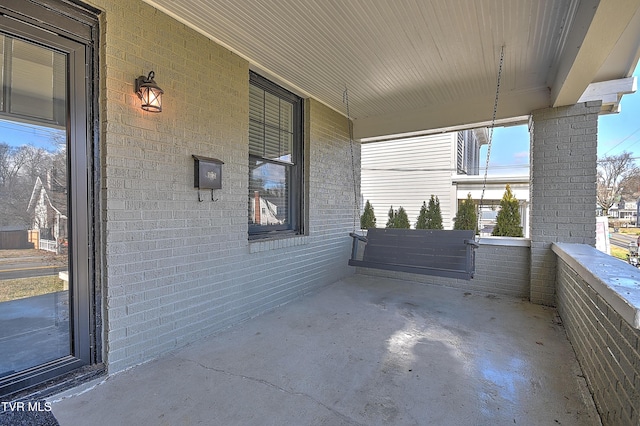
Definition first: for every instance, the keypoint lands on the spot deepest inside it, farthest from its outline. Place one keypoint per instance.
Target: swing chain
(356, 211)
(493, 123)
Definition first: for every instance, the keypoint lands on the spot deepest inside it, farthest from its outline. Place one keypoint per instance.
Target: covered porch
(195, 313)
(381, 347)
(365, 350)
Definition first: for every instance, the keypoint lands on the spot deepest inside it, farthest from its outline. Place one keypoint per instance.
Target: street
(30, 263)
(621, 240)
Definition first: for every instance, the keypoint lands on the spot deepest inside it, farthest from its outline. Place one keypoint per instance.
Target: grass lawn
(19, 288)
(630, 231)
(619, 252)
(20, 253)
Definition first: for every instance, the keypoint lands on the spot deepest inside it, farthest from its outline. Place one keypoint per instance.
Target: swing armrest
(358, 237)
(355, 244)
(472, 243)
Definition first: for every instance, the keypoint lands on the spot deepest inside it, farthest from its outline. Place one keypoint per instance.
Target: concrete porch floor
(362, 351)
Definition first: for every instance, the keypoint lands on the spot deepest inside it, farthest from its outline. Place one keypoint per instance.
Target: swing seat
(439, 253)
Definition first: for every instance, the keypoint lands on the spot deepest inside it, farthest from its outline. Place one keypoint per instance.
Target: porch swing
(440, 253)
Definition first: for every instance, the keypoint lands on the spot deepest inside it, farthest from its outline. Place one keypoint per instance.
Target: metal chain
(356, 210)
(493, 123)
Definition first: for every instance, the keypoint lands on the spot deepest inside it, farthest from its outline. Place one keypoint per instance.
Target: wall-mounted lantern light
(149, 93)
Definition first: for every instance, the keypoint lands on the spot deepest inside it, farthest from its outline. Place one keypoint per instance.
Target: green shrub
(368, 218)
(508, 219)
(392, 218)
(398, 218)
(467, 217)
(422, 217)
(430, 217)
(402, 220)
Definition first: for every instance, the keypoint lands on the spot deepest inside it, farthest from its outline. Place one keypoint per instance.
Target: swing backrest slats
(428, 252)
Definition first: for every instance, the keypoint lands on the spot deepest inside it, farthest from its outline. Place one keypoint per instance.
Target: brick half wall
(502, 267)
(606, 345)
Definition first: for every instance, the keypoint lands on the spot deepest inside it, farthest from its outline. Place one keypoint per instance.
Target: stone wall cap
(505, 241)
(617, 282)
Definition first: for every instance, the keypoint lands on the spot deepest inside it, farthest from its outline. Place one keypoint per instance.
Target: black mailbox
(207, 173)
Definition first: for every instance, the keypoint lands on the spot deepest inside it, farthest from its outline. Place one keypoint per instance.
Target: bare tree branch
(613, 171)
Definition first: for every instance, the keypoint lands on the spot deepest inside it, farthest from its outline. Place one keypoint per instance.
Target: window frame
(295, 168)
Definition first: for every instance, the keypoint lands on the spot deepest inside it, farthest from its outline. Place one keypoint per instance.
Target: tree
(11, 161)
(431, 217)
(612, 172)
(435, 214)
(402, 220)
(508, 220)
(368, 218)
(630, 186)
(398, 219)
(392, 218)
(19, 169)
(39, 162)
(422, 217)
(467, 217)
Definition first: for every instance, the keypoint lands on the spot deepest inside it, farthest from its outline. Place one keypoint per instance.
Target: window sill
(276, 242)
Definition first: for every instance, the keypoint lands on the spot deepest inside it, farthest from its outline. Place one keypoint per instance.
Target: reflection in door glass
(34, 220)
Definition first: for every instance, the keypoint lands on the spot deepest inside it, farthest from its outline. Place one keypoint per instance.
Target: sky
(18, 134)
(616, 133)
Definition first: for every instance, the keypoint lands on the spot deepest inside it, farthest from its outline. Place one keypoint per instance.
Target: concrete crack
(278, 388)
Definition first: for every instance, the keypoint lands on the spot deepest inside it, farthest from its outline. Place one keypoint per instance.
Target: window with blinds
(468, 153)
(275, 158)
(33, 86)
(460, 154)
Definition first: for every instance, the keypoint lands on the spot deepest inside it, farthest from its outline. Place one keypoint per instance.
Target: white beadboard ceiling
(414, 65)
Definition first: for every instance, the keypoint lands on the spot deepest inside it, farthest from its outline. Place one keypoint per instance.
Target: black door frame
(71, 30)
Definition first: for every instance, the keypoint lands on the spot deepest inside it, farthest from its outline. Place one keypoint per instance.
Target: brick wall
(563, 187)
(177, 269)
(500, 269)
(606, 346)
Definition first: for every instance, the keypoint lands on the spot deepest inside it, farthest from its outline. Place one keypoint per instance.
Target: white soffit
(414, 65)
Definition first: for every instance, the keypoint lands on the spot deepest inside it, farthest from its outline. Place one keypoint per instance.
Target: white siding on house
(405, 172)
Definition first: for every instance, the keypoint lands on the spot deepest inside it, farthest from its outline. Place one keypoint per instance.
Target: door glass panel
(2, 41)
(34, 222)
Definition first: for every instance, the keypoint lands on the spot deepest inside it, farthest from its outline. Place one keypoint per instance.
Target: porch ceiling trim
(513, 108)
(609, 93)
(597, 28)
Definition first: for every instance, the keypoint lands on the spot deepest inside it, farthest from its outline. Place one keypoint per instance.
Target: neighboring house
(625, 211)
(493, 192)
(263, 211)
(49, 212)
(405, 172)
